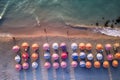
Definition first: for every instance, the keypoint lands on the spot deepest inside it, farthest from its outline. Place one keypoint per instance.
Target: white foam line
(43, 71)
(4, 10)
(110, 74)
(34, 74)
(54, 74)
(25, 75)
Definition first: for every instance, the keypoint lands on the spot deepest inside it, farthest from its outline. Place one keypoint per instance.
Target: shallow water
(20, 13)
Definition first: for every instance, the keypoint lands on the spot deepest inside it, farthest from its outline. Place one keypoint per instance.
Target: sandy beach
(54, 33)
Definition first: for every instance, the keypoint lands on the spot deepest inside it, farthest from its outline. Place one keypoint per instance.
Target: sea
(24, 13)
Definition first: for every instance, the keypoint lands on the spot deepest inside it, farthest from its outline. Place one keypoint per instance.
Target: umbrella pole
(46, 34)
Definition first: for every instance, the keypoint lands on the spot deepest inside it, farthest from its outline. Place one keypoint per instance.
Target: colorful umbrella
(82, 46)
(74, 64)
(25, 65)
(115, 63)
(17, 58)
(109, 57)
(99, 47)
(63, 46)
(16, 48)
(55, 56)
(88, 64)
(34, 56)
(75, 56)
(35, 46)
(82, 64)
(88, 46)
(99, 56)
(47, 55)
(106, 64)
(55, 46)
(55, 65)
(47, 65)
(117, 56)
(46, 46)
(25, 56)
(34, 65)
(63, 64)
(64, 55)
(74, 46)
(18, 67)
(97, 64)
(108, 47)
(82, 55)
(90, 56)
(25, 46)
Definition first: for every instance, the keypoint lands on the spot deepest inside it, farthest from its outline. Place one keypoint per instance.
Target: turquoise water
(28, 12)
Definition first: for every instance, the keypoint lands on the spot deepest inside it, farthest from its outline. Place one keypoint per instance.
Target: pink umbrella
(55, 56)
(18, 67)
(74, 64)
(63, 64)
(47, 65)
(46, 46)
(25, 65)
(55, 65)
(16, 48)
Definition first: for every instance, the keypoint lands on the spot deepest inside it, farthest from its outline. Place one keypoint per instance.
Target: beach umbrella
(46, 46)
(55, 46)
(116, 45)
(17, 58)
(82, 46)
(34, 65)
(99, 56)
(115, 63)
(106, 64)
(88, 46)
(117, 56)
(47, 65)
(25, 56)
(88, 64)
(99, 47)
(90, 56)
(47, 55)
(64, 55)
(97, 64)
(75, 56)
(35, 46)
(108, 47)
(25, 46)
(82, 55)
(63, 64)
(25, 65)
(34, 56)
(74, 46)
(18, 67)
(55, 65)
(55, 56)
(109, 57)
(16, 48)
(82, 64)
(63, 46)
(74, 64)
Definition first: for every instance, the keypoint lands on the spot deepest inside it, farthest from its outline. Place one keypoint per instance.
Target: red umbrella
(25, 56)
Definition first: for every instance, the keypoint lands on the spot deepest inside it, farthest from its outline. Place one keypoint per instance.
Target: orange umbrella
(97, 64)
(106, 64)
(88, 46)
(115, 63)
(25, 45)
(34, 56)
(82, 46)
(117, 56)
(35, 46)
(88, 64)
(99, 47)
(116, 45)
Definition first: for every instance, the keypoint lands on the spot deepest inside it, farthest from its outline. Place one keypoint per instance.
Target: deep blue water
(27, 12)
